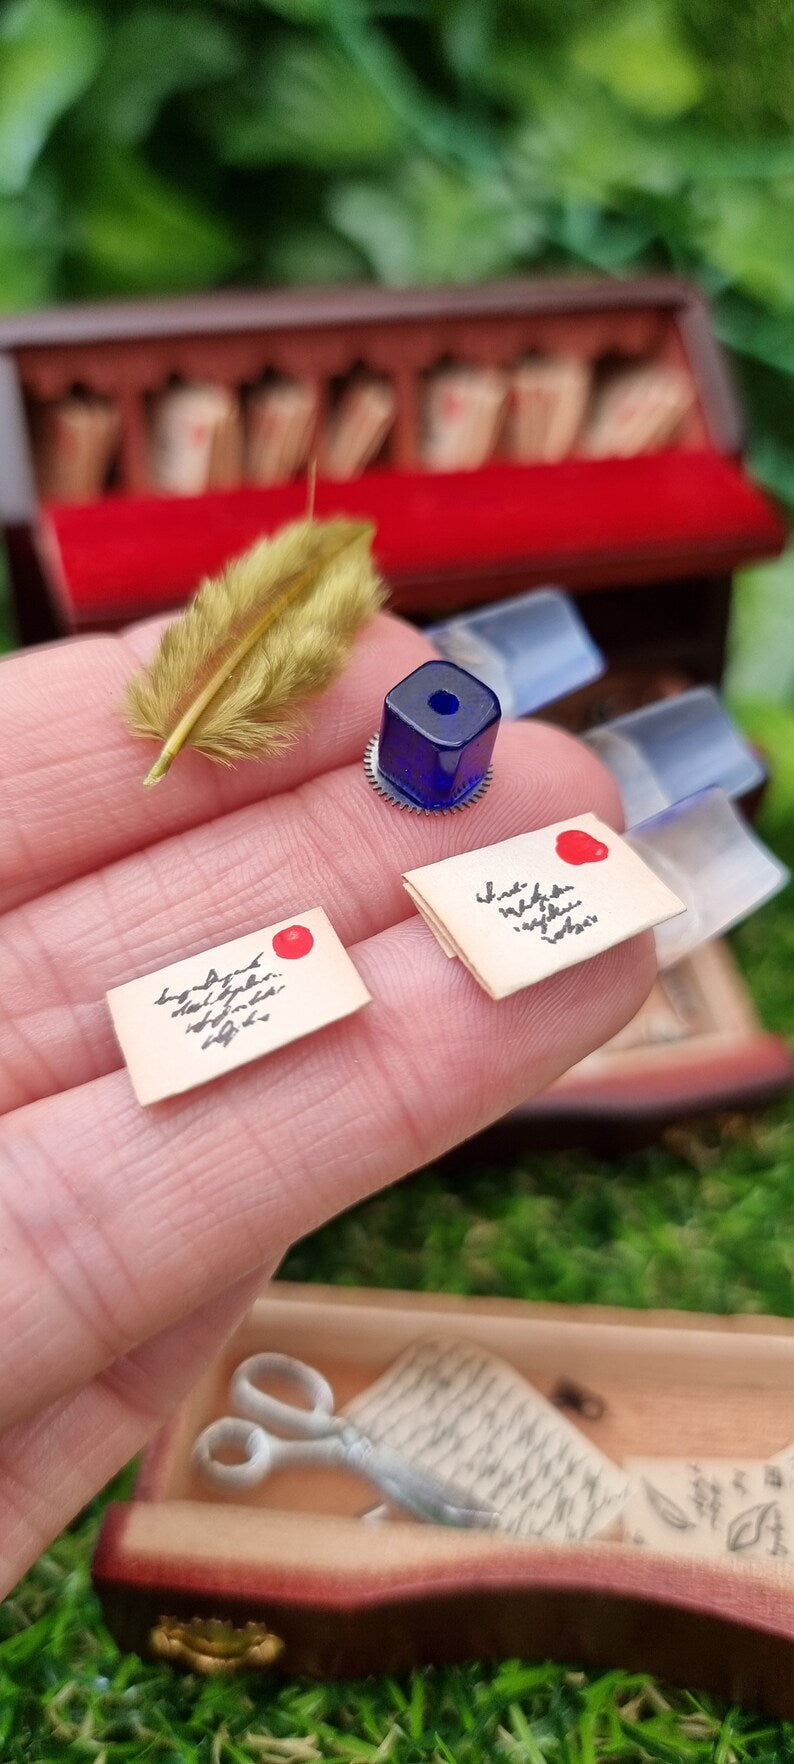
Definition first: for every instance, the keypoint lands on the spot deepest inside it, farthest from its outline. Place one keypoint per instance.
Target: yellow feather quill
(233, 672)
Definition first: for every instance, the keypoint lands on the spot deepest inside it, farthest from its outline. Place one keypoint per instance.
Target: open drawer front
(696, 1048)
(341, 1596)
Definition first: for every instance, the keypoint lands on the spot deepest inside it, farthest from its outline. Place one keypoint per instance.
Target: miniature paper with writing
(470, 1419)
(714, 1507)
(212, 1012)
(519, 911)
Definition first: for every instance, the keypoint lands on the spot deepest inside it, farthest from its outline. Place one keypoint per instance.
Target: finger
(334, 844)
(51, 1465)
(71, 796)
(115, 1220)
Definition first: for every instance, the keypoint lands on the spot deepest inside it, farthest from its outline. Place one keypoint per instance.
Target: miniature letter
(548, 400)
(459, 1413)
(218, 1010)
(639, 409)
(713, 1507)
(516, 912)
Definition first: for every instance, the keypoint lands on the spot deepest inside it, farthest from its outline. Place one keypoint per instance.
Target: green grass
(67, 1692)
(702, 1221)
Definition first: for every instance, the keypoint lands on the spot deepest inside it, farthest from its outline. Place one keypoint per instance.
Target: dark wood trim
(18, 500)
(34, 608)
(718, 393)
(312, 308)
(619, 1112)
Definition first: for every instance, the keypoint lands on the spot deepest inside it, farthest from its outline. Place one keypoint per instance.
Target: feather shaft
(325, 547)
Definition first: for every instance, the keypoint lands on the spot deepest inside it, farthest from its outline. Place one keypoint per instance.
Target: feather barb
(232, 673)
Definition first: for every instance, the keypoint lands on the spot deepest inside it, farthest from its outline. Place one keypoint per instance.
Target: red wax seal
(576, 847)
(292, 942)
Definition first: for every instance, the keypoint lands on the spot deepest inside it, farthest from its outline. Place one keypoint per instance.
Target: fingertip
(597, 998)
(634, 972)
(543, 775)
(594, 779)
(393, 647)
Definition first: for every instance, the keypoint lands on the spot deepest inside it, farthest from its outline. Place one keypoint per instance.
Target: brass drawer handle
(212, 1644)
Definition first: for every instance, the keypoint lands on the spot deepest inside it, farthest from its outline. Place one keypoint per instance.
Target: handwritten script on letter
(548, 908)
(530, 906)
(206, 1014)
(469, 1418)
(212, 1001)
(712, 1507)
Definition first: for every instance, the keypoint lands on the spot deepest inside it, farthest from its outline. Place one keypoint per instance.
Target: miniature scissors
(323, 1439)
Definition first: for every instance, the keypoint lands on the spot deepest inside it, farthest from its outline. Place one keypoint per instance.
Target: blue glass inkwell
(437, 733)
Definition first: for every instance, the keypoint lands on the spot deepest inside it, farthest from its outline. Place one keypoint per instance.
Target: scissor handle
(232, 1433)
(315, 1422)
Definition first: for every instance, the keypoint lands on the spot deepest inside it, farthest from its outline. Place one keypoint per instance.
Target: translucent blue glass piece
(670, 750)
(530, 649)
(437, 734)
(706, 852)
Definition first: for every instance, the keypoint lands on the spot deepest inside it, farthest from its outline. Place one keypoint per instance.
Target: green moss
(66, 1692)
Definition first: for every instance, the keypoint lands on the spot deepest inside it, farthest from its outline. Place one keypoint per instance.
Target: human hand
(132, 1239)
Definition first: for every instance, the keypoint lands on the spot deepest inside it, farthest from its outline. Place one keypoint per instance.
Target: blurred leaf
(609, 241)
(747, 231)
(49, 51)
(467, 31)
(771, 462)
(153, 52)
(770, 726)
(581, 146)
(30, 243)
(711, 159)
(765, 336)
(310, 12)
(431, 224)
(542, 23)
(380, 222)
(312, 252)
(139, 235)
(638, 53)
(750, 51)
(306, 105)
(762, 632)
(519, 73)
(434, 127)
(766, 399)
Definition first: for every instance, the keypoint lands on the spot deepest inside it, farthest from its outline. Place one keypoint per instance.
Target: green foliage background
(159, 147)
(151, 148)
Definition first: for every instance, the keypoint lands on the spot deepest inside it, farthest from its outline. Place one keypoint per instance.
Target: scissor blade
(424, 1495)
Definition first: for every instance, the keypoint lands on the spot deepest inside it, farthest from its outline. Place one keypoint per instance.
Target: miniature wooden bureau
(646, 544)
